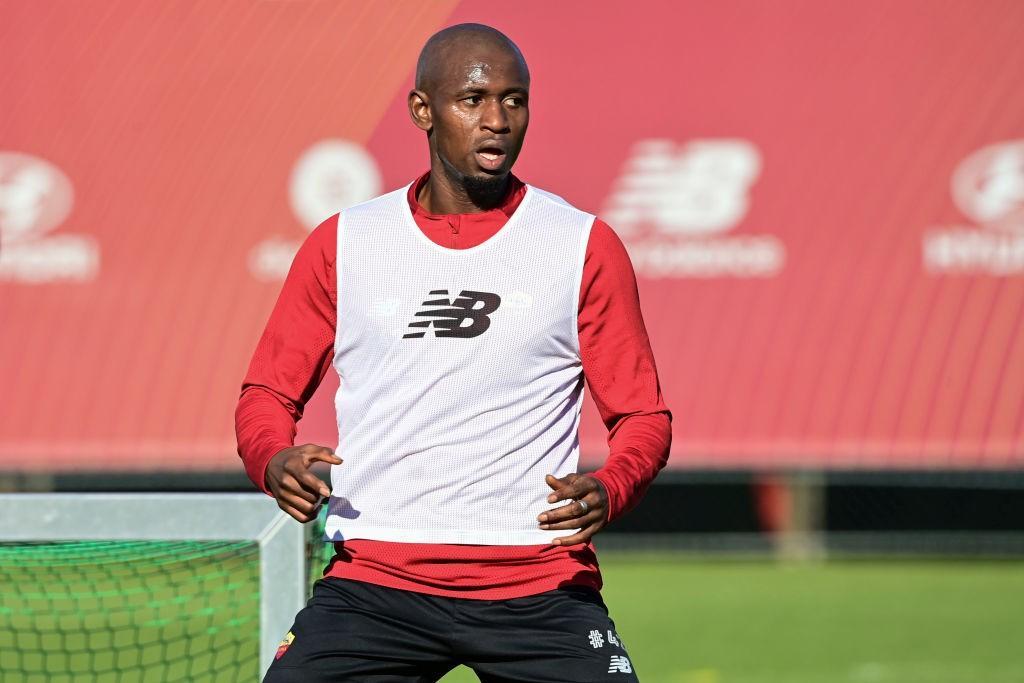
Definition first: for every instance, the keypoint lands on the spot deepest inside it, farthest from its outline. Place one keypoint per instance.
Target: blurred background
(823, 203)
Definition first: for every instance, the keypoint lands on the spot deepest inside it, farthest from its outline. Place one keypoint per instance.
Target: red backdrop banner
(824, 204)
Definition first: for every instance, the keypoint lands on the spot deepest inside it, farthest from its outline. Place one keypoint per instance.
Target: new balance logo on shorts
(465, 316)
(620, 665)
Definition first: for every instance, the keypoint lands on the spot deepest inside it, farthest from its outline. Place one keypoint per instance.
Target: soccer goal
(146, 587)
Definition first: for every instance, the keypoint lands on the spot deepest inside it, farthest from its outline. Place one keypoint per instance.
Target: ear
(419, 109)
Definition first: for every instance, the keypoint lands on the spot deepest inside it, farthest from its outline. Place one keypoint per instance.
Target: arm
(292, 357)
(619, 368)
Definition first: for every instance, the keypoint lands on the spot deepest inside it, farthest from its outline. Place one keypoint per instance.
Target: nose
(494, 117)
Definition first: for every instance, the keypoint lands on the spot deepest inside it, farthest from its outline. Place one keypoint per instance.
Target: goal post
(220, 533)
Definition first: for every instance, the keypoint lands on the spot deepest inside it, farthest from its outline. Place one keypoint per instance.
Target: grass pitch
(839, 622)
(152, 612)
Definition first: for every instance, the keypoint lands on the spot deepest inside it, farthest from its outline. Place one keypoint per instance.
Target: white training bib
(461, 379)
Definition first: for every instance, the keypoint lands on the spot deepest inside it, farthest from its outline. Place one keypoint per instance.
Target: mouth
(490, 156)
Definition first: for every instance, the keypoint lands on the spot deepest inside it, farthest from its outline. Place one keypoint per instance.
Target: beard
(485, 191)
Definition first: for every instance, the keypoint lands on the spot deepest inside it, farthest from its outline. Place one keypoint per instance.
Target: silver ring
(583, 504)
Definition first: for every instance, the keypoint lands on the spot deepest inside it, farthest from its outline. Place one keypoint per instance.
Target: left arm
(619, 368)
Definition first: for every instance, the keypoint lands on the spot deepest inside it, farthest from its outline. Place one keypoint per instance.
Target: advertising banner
(823, 203)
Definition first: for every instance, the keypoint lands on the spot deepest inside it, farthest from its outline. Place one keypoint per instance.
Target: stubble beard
(486, 192)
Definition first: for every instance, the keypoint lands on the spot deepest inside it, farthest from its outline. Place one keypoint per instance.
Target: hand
(577, 487)
(298, 491)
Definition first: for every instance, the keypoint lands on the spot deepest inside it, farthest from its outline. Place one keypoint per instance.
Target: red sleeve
(619, 367)
(292, 356)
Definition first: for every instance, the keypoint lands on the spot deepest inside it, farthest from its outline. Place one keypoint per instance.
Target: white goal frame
(178, 517)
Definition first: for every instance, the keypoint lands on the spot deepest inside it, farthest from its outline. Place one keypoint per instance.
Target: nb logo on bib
(465, 316)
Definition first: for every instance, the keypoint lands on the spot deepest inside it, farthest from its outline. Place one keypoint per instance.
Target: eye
(473, 99)
(515, 101)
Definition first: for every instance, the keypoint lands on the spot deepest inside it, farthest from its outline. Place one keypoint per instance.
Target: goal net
(147, 587)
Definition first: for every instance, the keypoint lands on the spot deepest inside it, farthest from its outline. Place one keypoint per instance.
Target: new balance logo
(674, 205)
(695, 189)
(466, 316)
(620, 665)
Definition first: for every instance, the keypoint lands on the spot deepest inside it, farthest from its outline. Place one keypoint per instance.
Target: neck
(448, 192)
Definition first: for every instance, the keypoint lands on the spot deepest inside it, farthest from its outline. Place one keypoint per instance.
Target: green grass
(188, 613)
(855, 622)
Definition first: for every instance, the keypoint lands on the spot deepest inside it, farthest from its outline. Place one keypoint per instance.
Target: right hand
(297, 490)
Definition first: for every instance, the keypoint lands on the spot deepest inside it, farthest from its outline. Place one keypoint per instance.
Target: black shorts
(355, 631)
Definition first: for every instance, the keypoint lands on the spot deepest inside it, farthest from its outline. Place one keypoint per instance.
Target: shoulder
(319, 250)
(557, 203)
(388, 200)
(607, 258)
(323, 239)
(604, 241)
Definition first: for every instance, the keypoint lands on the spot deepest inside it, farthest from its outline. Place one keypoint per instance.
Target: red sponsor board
(824, 204)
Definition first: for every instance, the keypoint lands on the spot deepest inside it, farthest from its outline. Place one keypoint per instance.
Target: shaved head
(472, 100)
(436, 56)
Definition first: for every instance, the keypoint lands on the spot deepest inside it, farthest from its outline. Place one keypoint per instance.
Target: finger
(574, 523)
(293, 487)
(306, 479)
(312, 483)
(578, 488)
(304, 506)
(554, 482)
(296, 513)
(581, 536)
(572, 510)
(321, 455)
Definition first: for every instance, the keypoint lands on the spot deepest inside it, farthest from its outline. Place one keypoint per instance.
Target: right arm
(292, 357)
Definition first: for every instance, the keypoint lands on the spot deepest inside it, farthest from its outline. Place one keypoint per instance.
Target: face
(477, 112)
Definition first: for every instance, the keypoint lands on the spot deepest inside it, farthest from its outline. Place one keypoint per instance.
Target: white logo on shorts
(619, 664)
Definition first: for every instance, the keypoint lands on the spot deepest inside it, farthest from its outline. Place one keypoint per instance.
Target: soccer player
(462, 314)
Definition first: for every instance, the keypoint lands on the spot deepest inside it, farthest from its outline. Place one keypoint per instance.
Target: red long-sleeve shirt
(295, 352)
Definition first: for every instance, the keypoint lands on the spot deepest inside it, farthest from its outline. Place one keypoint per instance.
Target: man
(462, 314)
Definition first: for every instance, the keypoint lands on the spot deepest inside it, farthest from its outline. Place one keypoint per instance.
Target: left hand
(576, 487)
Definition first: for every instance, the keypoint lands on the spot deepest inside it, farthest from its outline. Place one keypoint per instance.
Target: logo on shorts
(283, 647)
(619, 664)
(465, 316)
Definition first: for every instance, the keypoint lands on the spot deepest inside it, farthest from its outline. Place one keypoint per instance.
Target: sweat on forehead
(448, 43)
